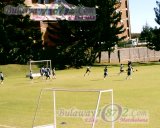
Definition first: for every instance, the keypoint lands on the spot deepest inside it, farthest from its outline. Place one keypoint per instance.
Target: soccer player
(42, 71)
(87, 71)
(129, 72)
(121, 69)
(129, 63)
(54, 73)
(105, 72)
(1, 77)
(30, 75)
(47, 73)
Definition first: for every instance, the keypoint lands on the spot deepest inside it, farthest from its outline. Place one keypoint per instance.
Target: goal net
(35, 66)
(74, 108)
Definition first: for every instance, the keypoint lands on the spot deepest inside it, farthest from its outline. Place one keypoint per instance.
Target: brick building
(123, 7)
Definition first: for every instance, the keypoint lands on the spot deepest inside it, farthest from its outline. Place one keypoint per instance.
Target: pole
(54, 108)
(96, 112)
(34, 118)
(112, 110)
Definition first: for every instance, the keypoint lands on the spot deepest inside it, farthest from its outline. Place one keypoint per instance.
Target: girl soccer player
(1, 77)
(105, 72)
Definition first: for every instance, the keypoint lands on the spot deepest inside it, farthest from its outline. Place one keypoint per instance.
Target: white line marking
(6, 126)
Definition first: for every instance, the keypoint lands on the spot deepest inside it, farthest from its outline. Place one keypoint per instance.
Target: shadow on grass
(120, 80)
(146, 63)
(96, 79)
(136, 64)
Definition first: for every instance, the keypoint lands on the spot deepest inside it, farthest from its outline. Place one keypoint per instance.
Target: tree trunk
(109, 56)
(119, 56)
(99, 56)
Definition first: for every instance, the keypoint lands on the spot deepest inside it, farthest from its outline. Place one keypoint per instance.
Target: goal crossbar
(35, 74)
(78, 90)
(32, 61)
(37, 61)
(54, 90)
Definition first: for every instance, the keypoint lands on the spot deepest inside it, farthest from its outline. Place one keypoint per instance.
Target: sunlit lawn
(18, 96)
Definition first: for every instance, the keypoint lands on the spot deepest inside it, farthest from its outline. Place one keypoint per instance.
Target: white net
(37, 66)
(72, 108)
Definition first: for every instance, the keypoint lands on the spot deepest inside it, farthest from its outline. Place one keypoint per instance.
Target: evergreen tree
(59, 43)
(108, 19)
(154, 44)
(154, 35)
(83, 40)
(146, 33)
(20, 37)
(157, 12)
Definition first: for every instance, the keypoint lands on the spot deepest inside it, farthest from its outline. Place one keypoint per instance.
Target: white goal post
(46, 63)
(55, 90)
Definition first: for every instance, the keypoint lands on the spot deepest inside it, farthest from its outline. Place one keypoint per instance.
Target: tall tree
(20, 38)
(154, 44)
(85, 40)
(108, 19)
(157, 12)
(146, 33)
(154, 36)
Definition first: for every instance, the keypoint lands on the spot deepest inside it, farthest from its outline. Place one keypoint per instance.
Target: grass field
(139, 95)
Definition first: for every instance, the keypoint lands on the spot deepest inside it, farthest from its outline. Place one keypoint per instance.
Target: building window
(126, 4)
(128, 32)
(119, 1)
(34, 1)
(42, 1)
(46, 1)
(126, 13)
(127, 23)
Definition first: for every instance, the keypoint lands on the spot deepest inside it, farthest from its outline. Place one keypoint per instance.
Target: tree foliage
(80, 42)
(20, 39)
(73, 43)
(146, 33)
(157, 12)
(153, 35)
(154, 44)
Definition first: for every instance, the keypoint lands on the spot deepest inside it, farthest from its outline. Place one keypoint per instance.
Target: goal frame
(54, 90)
(49, 65)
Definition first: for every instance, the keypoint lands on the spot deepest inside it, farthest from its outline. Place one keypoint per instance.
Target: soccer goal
(35, 66)
(87, 100)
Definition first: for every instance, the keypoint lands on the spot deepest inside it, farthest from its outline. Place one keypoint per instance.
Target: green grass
(18, 95)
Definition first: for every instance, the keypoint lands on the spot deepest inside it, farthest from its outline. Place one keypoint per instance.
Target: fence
(138, 54)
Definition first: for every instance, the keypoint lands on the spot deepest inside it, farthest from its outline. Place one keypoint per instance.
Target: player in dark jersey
(47, 73)
(129, 72)
(1, 77)
(105, 72)
(121, 69)
(30, 75)
(88, 70)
